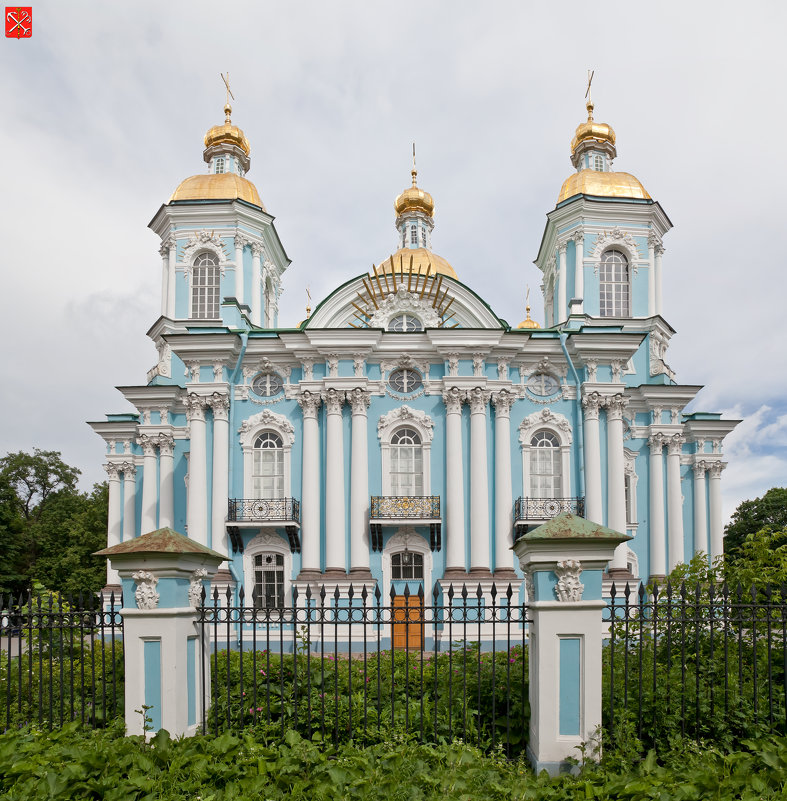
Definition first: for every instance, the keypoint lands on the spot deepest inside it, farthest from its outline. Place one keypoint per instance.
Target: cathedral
(403, 436)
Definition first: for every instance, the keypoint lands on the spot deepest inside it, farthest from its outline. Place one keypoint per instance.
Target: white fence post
(563, 561)
(163, 575)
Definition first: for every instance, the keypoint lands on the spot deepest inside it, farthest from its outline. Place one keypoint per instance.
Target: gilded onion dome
(528, 322)
(414, 199)
(227, 154)
(592, 152)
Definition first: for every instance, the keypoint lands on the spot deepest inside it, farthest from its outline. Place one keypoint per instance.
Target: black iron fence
(701, 661)
(61, 659)
(254, 509)
(357, 665)
(426, 507)
(538, 509)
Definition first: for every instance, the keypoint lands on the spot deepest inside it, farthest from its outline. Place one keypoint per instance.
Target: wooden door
(407, 622)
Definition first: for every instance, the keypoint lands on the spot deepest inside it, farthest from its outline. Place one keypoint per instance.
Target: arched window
(268, 592)
(268, 466)
(206, 276)
(407, 471)
(407, 565)
(545, 466)
(615, 296)
(405, 323)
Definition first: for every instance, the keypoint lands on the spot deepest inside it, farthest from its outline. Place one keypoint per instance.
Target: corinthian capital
(166, 444)
(241, 240)
(195, 407)
(656, 442)
(453, 399)
(148, 445)
(579, 237)
(478, 400)
(220, 404)
(699, 468)
(309, 403)
(675, 444)
(113, 471)
(256, 249)
(714, 471)
(167, 243)
(615, 405)
(359, 400)
(591, 404)
(333, 400)
(129, 470)
(502, 401)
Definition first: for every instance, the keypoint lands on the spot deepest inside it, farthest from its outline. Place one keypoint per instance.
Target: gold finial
(414, 172)
(308, 303)
(227, 106)
(528, 322)
(589, 105)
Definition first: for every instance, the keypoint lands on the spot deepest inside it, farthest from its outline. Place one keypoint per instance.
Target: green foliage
(48, 529)
(74, 763)
(750, 517)
(480, 697)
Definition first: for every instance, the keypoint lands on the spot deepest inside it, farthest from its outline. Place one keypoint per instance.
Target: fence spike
(377, 594)
(479, 592)
(683, 590)
(669, 590)
(711, 592)
(406, 590)
(493, 591)
(392, 594)
(241, 595)
(364, 594)
(294, 595)
(697, 593)
(215, 595)
(336, 593)
(641, 593)
(464, 592)
(350, 592)
(739, 592)
(451, 591)
(753, 593)
(308, 592)
(725, 591)
(421, 593)
(613, 591)
(627, 592)
(228, 594)
(202, 595)
(435, 592)
(509, 592)
(322, 595)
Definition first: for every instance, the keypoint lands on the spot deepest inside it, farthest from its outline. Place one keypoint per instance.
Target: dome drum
(227, 148)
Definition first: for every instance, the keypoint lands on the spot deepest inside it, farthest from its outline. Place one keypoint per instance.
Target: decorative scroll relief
(618, 239)
(569, 588)
(145, 594)
(545, 418)
(195, 586)
(404, 301)
(405, 360)
(266, 418)
(265, 365)
(405, 414)
(530, 586)
(526, 369)
(658, 353)
(203, 241)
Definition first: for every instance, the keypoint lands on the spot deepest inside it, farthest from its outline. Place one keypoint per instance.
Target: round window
(543, 384)
(267, 384)
(405, 380)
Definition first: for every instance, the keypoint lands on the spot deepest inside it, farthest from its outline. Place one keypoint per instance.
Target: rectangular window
(268, 581)
(413, 235)
(268, 473)
(205, 292)
(407, 476)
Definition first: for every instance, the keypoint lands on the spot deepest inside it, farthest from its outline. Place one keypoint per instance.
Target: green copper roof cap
(163, 540)
(568, 527)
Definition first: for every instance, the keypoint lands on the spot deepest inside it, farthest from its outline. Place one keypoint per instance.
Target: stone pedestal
(563, 562)
(163, 575)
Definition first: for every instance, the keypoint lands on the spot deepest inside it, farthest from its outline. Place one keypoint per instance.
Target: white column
(240, 242)
(454, 482)
(335, 528)
(653, 240)
(479, 481)
(504, 518)
(675, 501)
(714, 498)
(256, 286)
(616, 475)
(166, 493)
(221, 442)
(562, 303)
(310, 484)
(149, 484)
(129, 500)
(359, 486)
(591, 404)
(659, 252)
(656, 532)
(164, 251)
(197, 511)
(700, 514)
(113, 517)
(579, 270)
(171, 286)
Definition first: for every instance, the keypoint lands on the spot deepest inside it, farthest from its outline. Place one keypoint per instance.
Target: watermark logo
(18, 22)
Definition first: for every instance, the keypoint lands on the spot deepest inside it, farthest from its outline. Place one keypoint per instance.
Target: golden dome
(421, 259)
(227, 134)
(602, 184)
(599, 131)
(221, 186)
(527, 322)
(414, 199)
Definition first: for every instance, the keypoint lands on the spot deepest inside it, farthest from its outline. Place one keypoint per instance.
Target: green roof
(163, 540)
(572, 527)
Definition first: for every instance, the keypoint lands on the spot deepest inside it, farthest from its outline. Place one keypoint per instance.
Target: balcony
(529, 512)
(391, 510)
(264, 513)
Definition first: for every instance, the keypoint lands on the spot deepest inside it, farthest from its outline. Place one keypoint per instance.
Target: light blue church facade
(404, 435)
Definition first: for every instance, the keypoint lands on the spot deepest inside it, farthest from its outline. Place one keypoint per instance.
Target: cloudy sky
(103, 110)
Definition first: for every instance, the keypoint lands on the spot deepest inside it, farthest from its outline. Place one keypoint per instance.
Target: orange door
(407, 622)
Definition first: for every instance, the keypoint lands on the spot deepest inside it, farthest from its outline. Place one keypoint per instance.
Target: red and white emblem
(18, 22)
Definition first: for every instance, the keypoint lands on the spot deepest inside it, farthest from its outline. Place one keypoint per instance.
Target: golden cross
(527, 294)
(227, 84)
(308, 302)
(591, 73)
(413, 155)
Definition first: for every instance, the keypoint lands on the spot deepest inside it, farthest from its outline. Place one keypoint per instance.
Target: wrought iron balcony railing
(397, 507)
(252, 510)
(546, 508)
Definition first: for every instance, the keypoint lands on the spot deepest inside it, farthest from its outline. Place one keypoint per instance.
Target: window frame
(278, 476)
(266, 542)
(560, 427)
(387, 426)
(397, 450)
(250, 430)
(194, 301)
(618, 307)
(400, 370)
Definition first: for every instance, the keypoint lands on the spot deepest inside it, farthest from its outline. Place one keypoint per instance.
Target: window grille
(268, 466)
(407, 463)
(407, 565)
(220, 164)
(268, 581)
(205, 288)
(546, 480)
(615, 298)
(405, 322)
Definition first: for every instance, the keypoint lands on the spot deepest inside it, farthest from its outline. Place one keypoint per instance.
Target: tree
(768, 512)
(48, 529)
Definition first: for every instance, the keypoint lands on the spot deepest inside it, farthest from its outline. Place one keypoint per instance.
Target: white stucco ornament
(145, 594)
(405, 414)
(195, 586)
(404, 301)
(569, 588)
